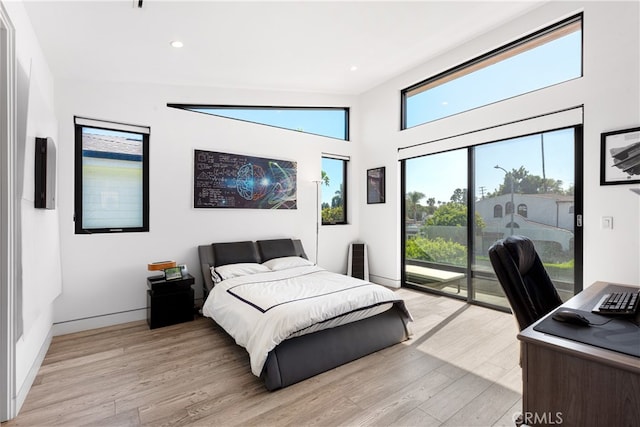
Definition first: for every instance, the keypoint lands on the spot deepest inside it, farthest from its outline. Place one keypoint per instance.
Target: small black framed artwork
(375, 185)
(620, 157)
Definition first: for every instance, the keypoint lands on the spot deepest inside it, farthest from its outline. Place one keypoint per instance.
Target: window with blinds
(111, 177)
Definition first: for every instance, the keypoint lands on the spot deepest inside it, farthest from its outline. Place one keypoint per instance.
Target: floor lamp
(317, 217)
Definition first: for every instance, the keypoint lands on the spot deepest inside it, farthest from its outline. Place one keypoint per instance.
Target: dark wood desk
(569, 383)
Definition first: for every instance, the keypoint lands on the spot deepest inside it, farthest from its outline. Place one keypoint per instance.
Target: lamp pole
(513, 208)
(317, 182)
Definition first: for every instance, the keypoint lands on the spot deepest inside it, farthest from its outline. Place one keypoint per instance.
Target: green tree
(325, 178)
(431, 206)
(453, 215)
(332, 215)
(459, 196)
(336, 201)
(412, 200)
(436, 250)
(525, 183)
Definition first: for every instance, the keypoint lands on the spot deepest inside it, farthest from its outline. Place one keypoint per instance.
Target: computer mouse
(570, 316)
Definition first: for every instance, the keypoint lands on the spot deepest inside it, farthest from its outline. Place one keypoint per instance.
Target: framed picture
(620, 157)
(238, 181)
(375, 185)
(172, 273)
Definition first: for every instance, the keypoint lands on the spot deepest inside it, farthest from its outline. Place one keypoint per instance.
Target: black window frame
(78, 174)
(578, 209)
(345, 163)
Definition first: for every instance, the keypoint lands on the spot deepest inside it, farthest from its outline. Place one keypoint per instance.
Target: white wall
(106, 273)
(39, 275)
(103, 276)
(609, 91)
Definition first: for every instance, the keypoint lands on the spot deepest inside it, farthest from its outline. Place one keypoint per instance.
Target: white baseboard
(33, 372)
(71, 326)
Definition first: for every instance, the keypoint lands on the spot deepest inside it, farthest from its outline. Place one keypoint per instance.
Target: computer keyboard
(618, 303)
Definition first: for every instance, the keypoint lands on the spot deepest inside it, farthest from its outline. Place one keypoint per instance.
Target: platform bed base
(302, 357)
(299, 358)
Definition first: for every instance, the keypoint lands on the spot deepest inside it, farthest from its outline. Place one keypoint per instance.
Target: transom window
(544, 58)
(332, 122)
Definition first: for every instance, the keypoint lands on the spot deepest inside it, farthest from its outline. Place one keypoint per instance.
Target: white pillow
(286, 262)
(241, 269)
(215, 276)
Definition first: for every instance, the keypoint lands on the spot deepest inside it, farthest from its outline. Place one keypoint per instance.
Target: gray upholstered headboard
(216, 254)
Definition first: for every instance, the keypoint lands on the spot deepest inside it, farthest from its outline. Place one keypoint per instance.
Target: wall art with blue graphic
(225, 180)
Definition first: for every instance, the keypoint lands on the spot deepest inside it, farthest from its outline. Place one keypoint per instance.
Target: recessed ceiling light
(353, 68)
(176, 43)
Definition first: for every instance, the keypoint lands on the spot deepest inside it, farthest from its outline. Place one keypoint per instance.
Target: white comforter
(261, 310)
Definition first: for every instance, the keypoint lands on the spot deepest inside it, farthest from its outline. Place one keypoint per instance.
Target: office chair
(527, 285)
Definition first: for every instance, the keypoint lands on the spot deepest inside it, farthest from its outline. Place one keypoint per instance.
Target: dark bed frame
(302, 357)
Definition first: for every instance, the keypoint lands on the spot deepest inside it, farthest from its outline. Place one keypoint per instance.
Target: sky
(438, 175)
(554, 62)
(333, 168)
(320, 121)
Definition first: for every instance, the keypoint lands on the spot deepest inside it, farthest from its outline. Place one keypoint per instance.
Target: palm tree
(431, 203)
(413, 197)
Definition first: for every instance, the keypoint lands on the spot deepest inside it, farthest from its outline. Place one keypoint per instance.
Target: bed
(294, 318)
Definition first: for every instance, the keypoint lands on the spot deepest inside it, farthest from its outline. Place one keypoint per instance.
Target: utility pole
(482, 188)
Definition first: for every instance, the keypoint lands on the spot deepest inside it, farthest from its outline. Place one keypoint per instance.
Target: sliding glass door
(458, 203)
(436, 244)
(526, 186)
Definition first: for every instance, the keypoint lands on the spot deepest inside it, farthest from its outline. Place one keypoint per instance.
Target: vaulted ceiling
(337, 47)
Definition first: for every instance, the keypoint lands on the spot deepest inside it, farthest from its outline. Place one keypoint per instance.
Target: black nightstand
(169, 301)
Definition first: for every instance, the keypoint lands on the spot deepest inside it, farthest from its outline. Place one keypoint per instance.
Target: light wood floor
(459, 369)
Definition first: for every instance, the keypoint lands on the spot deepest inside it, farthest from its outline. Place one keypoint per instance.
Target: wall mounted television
(45, 174)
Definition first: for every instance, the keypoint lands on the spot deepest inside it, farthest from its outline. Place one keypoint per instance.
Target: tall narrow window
(545, 58)
(111, 177)
(334, 191)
